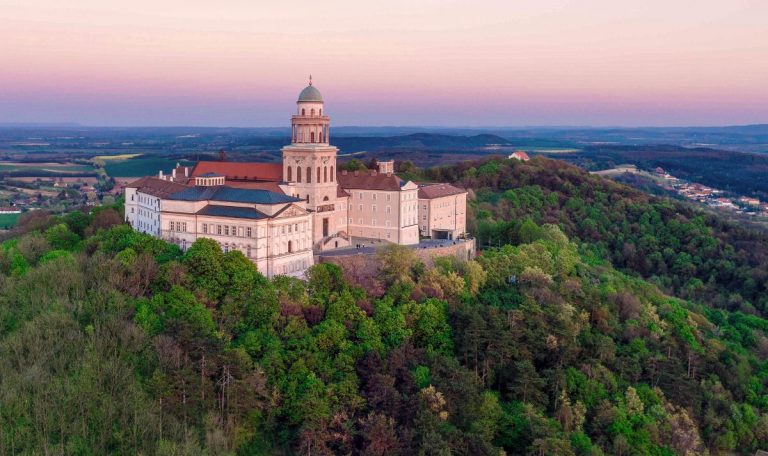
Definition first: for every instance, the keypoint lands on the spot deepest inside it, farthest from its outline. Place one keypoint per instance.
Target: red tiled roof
(370, 180)
(340, 193)
(429, 191)
(156, 187)
(270, 172)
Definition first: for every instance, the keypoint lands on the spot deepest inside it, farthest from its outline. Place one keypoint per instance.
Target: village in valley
(693, 191)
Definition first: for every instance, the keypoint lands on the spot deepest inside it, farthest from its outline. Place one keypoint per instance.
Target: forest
(596, 321)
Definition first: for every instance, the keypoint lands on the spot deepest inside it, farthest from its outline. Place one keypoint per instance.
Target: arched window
(303, 112)
(309, 174)
(325, 198)
(312, 112)
(321, 111)
(298, 174)
(331, 173)
(320, 139)
(318, 175)
(290, 246)
(325, 174)
(290, 176)
(312, 137)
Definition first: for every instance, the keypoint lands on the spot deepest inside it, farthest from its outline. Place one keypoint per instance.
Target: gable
(291, 210)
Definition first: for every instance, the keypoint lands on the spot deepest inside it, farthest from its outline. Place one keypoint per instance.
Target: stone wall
(464, 249)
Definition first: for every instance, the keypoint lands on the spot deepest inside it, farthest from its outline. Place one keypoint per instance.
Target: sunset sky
(395, 62)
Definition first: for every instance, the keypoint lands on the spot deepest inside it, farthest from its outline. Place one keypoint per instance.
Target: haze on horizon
(401, 62)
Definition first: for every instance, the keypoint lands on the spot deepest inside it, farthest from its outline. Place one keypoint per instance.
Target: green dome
(310, 93)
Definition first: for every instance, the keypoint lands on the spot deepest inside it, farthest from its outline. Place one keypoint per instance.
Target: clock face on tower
(325, 160)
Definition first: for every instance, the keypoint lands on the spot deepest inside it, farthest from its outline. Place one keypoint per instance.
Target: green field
(142, 166)
(7, 221)
(32, 167)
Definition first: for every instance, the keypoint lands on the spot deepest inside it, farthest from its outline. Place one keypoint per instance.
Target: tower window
(312, 137)
(298, 174)
(290, 174)
(318, 175)
(303, 112)
(331, 173)
(325, 174)
(312, 112)
(309, 174)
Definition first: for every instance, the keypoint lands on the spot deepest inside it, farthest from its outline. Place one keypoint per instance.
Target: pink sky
(400, 62)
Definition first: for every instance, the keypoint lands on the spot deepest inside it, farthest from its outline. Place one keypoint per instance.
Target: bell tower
(309, 162)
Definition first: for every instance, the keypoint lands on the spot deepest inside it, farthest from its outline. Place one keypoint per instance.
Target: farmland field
(7, 221)
(136, 167)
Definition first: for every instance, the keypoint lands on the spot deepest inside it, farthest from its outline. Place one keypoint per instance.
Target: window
(373, 222)
(373, 208)
(318, 175)
(282, 229)
(309, 177)
(131, 197)
(325, 174)
(312, 136)
(226, 248)
(374, 196)
(290, 174)
(350, 220)
(218, 229)
(388, 223)
(226, 230)
(234, 231)
(248, 250)
(389, 209)
(249, 233)
(360, 208)
(171, 227)
(303, 112)
(389, 197)
(298, 174)
(331, 173)
(312, 112)
(359, 221)
(360, 195)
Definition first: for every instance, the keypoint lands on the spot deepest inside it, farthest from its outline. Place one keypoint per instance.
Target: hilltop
(540, 345)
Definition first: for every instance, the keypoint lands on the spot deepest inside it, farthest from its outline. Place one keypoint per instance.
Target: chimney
(186, 171)
(160, 175)
(173, 173)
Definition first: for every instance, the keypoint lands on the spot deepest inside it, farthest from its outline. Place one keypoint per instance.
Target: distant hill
(419, 140)
(739, 172)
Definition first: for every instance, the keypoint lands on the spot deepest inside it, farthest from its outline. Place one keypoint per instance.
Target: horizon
(459, 64)
(66, 125)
